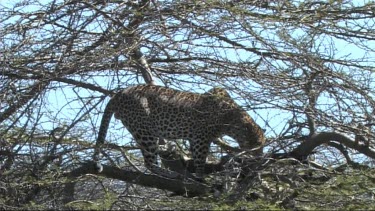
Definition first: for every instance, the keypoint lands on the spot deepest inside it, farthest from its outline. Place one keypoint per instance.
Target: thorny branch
(302, 69)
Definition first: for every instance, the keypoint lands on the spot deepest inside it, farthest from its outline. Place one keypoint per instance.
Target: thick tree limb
(306, 148)
(187, 188)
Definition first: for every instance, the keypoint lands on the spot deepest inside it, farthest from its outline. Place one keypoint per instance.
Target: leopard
(152, 113)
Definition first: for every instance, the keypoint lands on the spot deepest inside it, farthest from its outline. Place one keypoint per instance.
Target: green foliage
(104, 203)
(247, 205)
(34, 206)
(349, 190)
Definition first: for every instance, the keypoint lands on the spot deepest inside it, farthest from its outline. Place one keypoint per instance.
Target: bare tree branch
(307, 147)
(33, 91)
(187, 188)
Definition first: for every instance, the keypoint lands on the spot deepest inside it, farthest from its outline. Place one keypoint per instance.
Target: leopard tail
(108, 112)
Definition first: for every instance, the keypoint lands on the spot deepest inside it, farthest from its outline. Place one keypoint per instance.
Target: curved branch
(342, 149)
(306, 148)
(144, 67)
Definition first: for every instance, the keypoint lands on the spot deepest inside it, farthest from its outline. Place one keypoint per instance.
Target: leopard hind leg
(149, 149)
(199, 149)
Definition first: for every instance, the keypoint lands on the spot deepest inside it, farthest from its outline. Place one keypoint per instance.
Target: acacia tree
(303, 70)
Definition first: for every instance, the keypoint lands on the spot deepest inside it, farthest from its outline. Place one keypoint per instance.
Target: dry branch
(34, 91)
(307, 147)
(180, 187)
